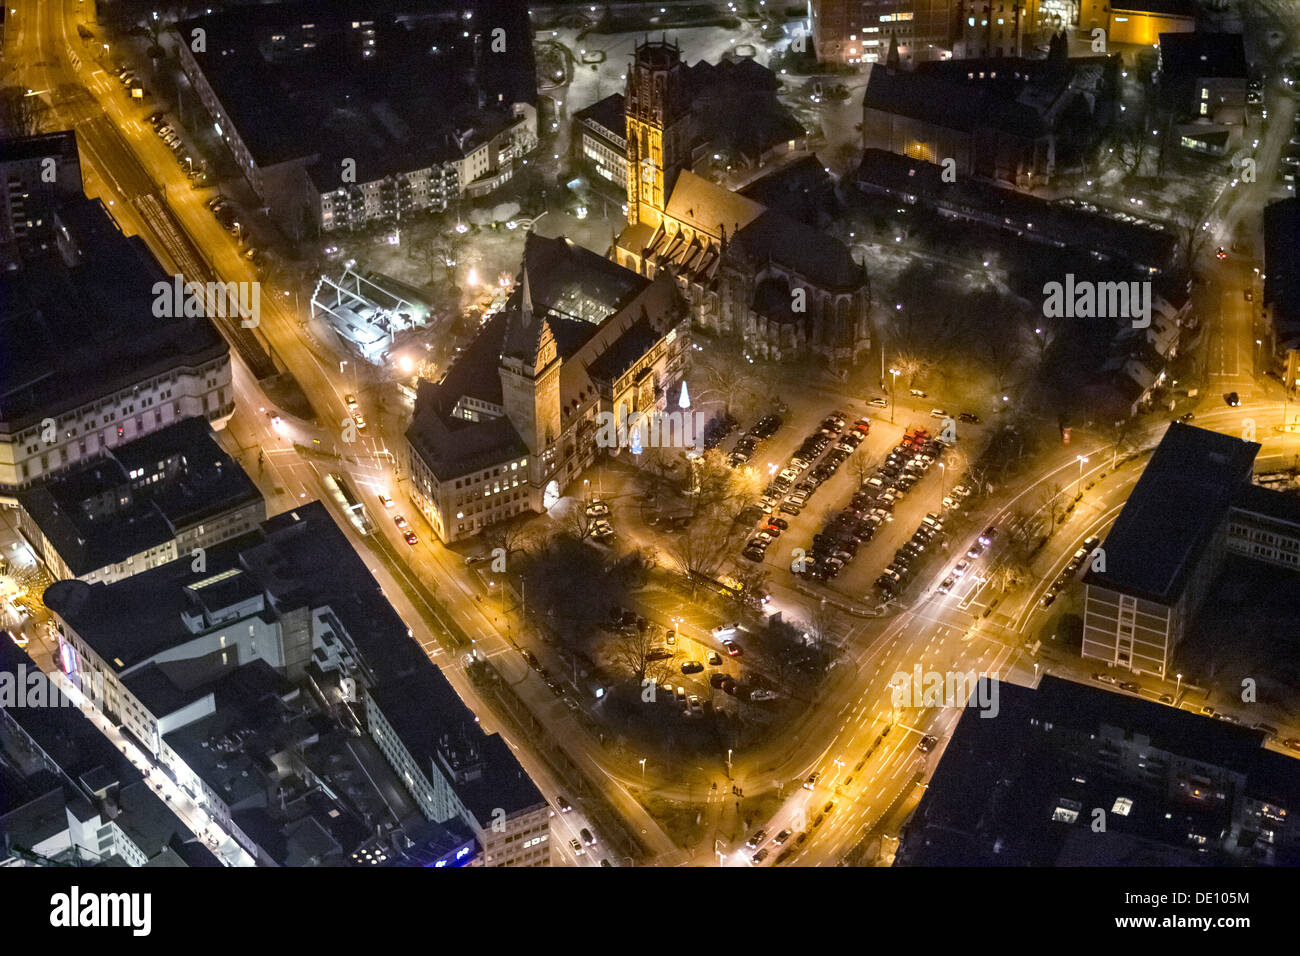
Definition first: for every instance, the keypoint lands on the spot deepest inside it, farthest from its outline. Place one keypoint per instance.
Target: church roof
(710, 208)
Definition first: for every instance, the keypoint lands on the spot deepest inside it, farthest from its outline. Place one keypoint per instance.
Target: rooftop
(1058, 222)
(326, 79)
(431, 720)
(1018, 790)
(138, 496)
(72, 333)
(298, 558)
(1180, 500)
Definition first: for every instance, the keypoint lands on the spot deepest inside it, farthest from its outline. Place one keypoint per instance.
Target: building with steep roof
(512, 422)
(722, 247)
(1007, 119)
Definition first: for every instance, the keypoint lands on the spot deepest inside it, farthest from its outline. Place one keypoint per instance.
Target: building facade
(94, 367)
(784, 289)
(512, 423)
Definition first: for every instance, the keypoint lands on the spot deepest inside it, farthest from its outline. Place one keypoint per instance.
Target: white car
(725, 630)
(938, 413)
(386, 501)
(878, 402)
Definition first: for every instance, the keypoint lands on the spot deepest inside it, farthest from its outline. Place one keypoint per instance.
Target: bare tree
(514, 538)
(728, 379)
(701, 548)
(576, 522)
(21, 113)
(632, 649)
(1050, 496)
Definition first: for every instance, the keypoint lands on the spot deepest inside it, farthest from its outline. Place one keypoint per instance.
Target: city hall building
(513, 421)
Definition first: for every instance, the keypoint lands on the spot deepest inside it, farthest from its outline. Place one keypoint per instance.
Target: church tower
(530, 375)
(658, 106)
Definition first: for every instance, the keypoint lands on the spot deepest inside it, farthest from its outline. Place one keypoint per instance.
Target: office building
(170, 494)
(316, 104)
(1193, 506)
(37, 175)
(243, 680)
(87, 364)
(1070, 775)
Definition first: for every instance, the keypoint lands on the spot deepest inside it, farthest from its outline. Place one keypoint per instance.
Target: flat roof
(1182, 497)
(202, 482)
(72, 334)
(993, 796)
(295, 559)
(322, 80)
(1054, 221)
(430, 718)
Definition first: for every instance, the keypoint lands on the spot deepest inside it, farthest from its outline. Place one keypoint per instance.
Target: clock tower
(658, 125)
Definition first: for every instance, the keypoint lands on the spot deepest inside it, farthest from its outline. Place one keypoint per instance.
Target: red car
(411, 538)
(732, 648)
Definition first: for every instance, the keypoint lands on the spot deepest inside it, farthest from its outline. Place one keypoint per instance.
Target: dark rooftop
(1199, 54)
(327, 79)
(430, 718)
(607, 113)
(297, 558)
(70, 334)
(998, 792)
(949, 103)
(83, 515)
(1041, 220)
(62, 143)
(1181, 498)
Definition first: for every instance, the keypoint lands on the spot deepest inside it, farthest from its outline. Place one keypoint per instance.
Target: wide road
(132, 172)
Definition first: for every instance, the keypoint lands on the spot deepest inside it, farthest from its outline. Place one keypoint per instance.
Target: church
(784, 288)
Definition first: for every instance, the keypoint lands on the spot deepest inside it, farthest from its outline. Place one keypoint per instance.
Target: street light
(1178, 688)
(893, 390)
(642, 762)
(1079, 485)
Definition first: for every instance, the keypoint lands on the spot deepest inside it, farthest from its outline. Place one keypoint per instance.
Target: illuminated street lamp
(893, 390)
(1079, 484)
(642, 762)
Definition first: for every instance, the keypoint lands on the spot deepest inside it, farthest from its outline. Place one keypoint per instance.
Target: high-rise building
(1193, 507)
(862, 31)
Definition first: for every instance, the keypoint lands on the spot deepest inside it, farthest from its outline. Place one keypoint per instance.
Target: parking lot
(848, 493)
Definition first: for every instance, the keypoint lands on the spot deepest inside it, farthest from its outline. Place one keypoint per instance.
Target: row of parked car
(761, 430)
(598, 514)
(907, 559)
(1063, 580)
(810, 469)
